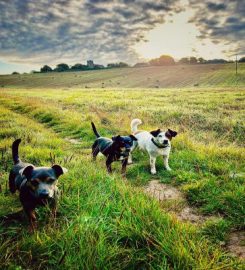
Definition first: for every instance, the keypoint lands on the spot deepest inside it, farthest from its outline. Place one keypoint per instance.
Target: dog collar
(159, 145)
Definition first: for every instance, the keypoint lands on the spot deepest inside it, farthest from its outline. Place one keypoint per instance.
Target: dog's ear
(116, 138)
(171, 133)
(155, 132)
(133, 137)
(59, 170)
(27, 172)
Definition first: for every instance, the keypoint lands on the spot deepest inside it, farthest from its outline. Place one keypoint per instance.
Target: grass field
(105, 222)
(212, 75)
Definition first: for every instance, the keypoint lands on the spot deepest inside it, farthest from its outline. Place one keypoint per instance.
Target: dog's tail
(95, 130)
(134, 125)
(15, 151)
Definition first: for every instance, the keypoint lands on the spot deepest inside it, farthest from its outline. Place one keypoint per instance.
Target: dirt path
(167, 193)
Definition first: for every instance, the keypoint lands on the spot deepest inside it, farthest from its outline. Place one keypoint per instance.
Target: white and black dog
(156, 143)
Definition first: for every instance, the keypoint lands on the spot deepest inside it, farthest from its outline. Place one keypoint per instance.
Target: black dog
(36, 185)
(114, 149)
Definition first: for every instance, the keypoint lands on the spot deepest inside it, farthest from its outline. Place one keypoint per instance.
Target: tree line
(163, 60)
(80, 67)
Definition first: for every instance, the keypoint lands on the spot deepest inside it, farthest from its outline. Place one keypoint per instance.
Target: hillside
(211, 75)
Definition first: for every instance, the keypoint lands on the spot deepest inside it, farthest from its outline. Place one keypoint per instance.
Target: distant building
(90, 64)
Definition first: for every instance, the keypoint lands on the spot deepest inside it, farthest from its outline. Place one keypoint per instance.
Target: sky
(38, 32)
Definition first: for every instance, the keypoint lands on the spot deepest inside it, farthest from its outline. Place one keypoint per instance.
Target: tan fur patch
(137, 132)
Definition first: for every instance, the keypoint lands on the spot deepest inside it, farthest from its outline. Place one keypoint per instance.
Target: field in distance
(205, 75)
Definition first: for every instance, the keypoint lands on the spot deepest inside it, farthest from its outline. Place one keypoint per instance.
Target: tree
(117, 65)
(78, 67)
(122, 64)
(242, 60)
(217, 61)
(184, 60)
(46, 68)
(15, 73)
(201, 60)
(163, 60)
(193, 60)
(62, 67)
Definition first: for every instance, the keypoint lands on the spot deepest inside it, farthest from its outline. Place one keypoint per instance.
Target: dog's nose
(165, 141)
(43, 194)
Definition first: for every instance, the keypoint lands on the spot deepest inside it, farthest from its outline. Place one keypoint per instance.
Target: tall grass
(104, 222)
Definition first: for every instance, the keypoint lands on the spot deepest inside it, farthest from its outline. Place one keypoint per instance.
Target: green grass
(104, 222)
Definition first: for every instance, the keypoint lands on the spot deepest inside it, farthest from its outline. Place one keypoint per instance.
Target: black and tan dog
(37, 185)
(115, 149)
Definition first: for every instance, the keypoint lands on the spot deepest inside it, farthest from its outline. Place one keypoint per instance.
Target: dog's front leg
(32, 219)
(130, 160)
(124, 165)
(153, 165)
(165, 162)
(108, 164)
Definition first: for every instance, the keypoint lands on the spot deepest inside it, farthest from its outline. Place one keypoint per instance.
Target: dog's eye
(50, 180)
(160, 136)
(35, 182)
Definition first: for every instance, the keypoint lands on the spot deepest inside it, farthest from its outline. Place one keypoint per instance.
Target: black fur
(15, 152)
(114, 149)
(22, 177)
(155, 132)
(171, 133)
(95, 130)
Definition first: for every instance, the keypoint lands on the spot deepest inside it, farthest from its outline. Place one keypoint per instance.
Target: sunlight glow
(178, 38)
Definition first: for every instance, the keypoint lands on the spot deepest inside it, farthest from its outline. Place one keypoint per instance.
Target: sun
(178, 38)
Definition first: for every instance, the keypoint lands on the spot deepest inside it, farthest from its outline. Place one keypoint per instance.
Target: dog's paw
(153, 172)
(130, 162)
(168, 169)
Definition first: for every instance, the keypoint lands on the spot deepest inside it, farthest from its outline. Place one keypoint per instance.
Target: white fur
(144, 142)
(64, 170)
(134, 124)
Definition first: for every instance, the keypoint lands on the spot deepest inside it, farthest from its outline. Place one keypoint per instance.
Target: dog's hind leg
(12, 186)
(153, 165)
(95, 151)
(165, 162)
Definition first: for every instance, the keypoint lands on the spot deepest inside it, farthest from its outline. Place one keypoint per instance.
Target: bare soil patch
(236, 244)
(163, 192)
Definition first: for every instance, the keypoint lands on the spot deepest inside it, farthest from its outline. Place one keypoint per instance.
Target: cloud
(222, 22)
(53, 31)
(216, 7)
(41, 31)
